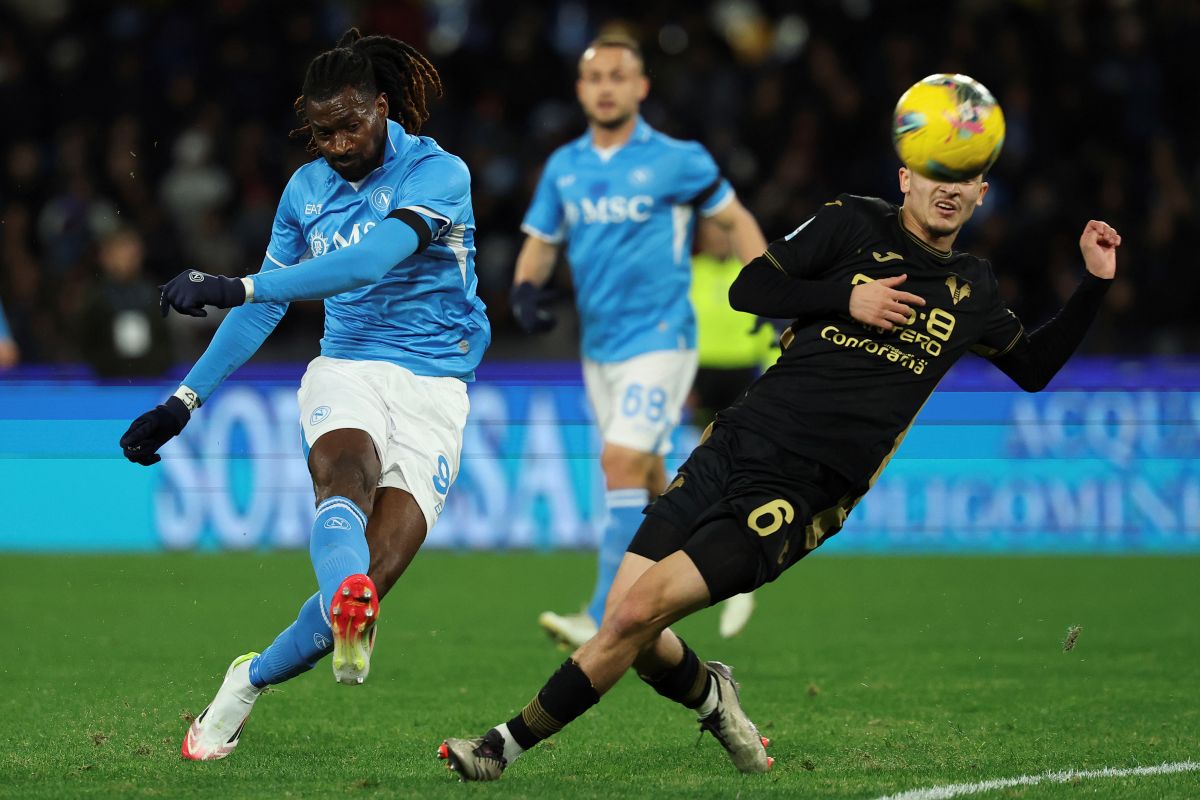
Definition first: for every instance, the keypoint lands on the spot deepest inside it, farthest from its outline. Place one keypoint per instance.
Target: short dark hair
(621, 40)
(371, 64)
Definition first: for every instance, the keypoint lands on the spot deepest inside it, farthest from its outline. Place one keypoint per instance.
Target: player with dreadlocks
(380, 226)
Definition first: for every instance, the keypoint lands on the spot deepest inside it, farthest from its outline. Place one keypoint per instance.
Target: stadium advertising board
(1107, 461)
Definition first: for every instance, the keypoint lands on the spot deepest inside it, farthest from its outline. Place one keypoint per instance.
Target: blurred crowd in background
(145, 138)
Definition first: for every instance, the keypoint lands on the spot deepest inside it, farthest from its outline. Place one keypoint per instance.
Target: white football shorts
(415, 421)
(638, 402)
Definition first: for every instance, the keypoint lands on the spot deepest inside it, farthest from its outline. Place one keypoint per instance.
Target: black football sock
(565, 696)
(688, 682)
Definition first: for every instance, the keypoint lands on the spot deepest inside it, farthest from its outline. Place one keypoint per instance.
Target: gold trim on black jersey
(1013, 343)
(917, 239)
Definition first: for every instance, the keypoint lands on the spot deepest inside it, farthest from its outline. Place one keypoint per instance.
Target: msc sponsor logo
(319, 415)
(608, 210)
(320, 244)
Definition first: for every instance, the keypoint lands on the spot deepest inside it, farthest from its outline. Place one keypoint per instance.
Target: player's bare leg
(345, 471)
(395, 532)
(634, 632)
(631, 478)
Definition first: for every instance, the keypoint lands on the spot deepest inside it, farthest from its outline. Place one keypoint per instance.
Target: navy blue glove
(189, 292)
(529, 308)
(153, 429)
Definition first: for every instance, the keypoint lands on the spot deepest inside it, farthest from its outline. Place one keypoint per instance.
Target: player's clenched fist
(1099, 244)
(189, 292)
(881, 304)
(153, 429)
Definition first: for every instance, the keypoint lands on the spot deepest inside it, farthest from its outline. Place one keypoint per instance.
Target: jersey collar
(641, 133)
(916, 239)
(398, 142)
(394, 149)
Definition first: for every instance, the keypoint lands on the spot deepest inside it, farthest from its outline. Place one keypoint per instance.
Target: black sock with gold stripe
(687, 682)
(565, 696)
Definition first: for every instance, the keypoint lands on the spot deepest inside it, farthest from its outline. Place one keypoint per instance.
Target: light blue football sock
(338, 545)
(298, 649)
(624, 518)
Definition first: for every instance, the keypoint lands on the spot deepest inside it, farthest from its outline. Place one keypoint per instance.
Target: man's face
(349, 131)
(937, 206)
(610, 85)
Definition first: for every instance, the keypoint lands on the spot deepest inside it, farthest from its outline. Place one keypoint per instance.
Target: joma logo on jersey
(319, 244)
(606, 210)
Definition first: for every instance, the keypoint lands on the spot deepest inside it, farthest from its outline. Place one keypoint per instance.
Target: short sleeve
(439, 189)
(699, 181)
(544, 219)
(1001, 330)
(287, 245)
(819, 243)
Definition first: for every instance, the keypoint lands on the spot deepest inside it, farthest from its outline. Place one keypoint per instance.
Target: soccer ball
(948, 128)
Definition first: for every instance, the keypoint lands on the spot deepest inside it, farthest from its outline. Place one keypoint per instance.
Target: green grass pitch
(870, 675)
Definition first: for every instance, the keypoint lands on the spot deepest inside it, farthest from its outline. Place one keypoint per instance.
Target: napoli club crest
(381, 200)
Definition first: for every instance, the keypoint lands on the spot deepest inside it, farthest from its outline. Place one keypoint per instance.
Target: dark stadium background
(172, 119)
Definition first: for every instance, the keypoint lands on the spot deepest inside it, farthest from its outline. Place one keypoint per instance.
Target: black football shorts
(744, 510)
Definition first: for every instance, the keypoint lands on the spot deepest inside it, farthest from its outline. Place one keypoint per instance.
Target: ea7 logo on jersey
(312, 208)
(606, 210)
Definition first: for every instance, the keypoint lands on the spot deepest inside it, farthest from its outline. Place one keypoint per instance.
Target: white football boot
(216, 731)
(731, 727)
(735, 613)
(569, 630)
(479, 759)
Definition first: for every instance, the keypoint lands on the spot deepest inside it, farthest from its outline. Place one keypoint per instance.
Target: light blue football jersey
(627, 219)
(424, 314)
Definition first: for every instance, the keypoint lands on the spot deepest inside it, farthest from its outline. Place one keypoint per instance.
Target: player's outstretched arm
(390, 242)
(528, 299)
(1037, 357)
(239, 336)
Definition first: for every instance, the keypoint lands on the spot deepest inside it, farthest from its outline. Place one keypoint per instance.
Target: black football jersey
(842, 393)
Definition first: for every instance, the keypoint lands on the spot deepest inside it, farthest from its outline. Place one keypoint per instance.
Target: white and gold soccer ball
(948, 128)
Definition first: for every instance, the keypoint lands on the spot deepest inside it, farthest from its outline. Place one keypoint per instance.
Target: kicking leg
(395, 532)
(668, 591)
(344, 469)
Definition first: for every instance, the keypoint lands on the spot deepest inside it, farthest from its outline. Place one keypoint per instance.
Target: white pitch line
(957, 789)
